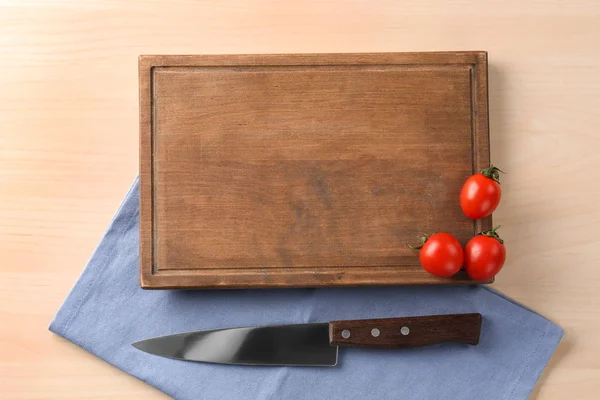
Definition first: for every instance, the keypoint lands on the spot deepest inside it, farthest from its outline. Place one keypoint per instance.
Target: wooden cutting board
(305, 170)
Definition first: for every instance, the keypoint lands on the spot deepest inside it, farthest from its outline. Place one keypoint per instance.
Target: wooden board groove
(292, 170)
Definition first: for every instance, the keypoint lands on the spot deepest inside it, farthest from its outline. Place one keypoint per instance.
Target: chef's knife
(314, 344)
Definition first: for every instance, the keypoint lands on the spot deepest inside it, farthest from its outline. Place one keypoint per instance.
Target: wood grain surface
(69, 150)
(305, 169)
(406, 332)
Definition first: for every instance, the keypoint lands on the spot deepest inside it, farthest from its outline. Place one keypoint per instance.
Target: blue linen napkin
(106, 311)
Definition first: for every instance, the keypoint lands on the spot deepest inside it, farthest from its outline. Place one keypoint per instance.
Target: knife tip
(138, 345)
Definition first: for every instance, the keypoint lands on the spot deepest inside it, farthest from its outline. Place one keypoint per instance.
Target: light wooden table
(69, 148)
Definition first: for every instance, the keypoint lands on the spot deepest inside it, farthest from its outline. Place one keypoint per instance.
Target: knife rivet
(345, 333)
(404, 330)
(375, 332)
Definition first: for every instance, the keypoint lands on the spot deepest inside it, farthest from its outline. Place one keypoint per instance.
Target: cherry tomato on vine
(440, 254)
(481, 193)
(484, 255)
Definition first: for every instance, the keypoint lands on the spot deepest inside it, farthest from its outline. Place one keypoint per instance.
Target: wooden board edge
(145, 65)
(421, 58)
(481, 129)
(298, 278)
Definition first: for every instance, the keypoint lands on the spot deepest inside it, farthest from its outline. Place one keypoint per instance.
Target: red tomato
(481, 193)
(441, 254)
(484, 255)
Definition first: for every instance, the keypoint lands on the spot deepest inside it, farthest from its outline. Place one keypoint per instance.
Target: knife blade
(313, 344)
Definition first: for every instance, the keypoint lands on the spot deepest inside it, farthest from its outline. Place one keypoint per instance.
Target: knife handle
(406, 332)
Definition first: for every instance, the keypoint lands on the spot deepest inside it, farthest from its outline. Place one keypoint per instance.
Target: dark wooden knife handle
(407, 331)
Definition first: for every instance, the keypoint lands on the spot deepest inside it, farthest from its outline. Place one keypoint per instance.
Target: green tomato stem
(492, 233)
(492, 173)
(423, 239)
